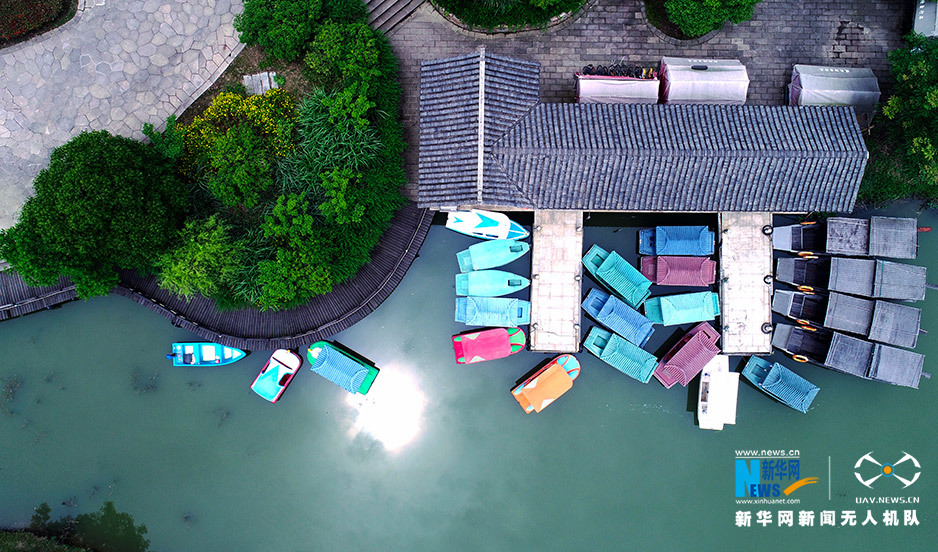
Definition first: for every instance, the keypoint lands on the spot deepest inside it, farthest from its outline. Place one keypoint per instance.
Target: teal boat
(780, 383)
(204, 354)
(620, 277)
(489, 283)
(683, 308)
(625, 357)
(341, 368)
(502, 312)
(490, 254)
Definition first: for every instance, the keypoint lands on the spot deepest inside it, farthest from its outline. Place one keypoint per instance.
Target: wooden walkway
(556, 272)
(745, 297)
(250, 329)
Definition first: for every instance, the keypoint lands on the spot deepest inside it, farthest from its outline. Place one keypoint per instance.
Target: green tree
(242, 168)
(104, 203)
(699, 17)
(281, 27)
(343, 54)
(204, 261)
(170, 143)
(340, 207)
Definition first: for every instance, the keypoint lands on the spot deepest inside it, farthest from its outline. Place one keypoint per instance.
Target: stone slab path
(782, 33)
(117, 65)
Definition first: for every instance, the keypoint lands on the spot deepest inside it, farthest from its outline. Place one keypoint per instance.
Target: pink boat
(688, 357)
(679, 271)
(479, 346)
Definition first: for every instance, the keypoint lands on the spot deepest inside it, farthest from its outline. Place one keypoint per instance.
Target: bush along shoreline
(262, 201)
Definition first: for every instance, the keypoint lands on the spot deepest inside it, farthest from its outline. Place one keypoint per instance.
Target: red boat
(688, 357)
(479, 346)
(668, 270)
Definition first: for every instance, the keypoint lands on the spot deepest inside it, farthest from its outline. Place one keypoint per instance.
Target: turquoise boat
(204, 354)
(489, 283)
(490, 254)
(487, 225)
(340, 368)
(625, 357)
(683, 308)
(620, 277)
(780, 383)
(501, 312)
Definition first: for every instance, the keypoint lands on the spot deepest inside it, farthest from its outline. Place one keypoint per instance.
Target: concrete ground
(782, 33)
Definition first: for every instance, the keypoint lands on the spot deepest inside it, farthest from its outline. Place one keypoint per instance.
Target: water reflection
(392, 412)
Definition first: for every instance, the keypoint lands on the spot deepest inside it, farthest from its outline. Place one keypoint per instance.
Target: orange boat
(547, 384)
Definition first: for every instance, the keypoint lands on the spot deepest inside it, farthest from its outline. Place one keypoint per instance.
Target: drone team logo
(886, 470)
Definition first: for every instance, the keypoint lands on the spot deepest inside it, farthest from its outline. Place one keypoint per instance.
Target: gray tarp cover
(877, 279)
(716, 81)
(818, 85)
(926, 18)
(879, 320)
(878, 237)
(597, 89)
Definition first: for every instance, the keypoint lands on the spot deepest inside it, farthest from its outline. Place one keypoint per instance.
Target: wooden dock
(556, 273)
(745, 292)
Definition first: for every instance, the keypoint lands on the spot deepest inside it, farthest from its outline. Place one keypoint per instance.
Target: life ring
(807, 290)
(799, 358)
(809, 223)
(768, 229)
(767, 328)
(768, 279)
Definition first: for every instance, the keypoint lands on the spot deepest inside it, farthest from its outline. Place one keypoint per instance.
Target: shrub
(489, 14)
(699, 17)
(242, 170)
(903, 158)
(18, 17)
(104, 203)
(342, 55)
(281, 27)
(169, 143)
(203, 263)
(345, 11)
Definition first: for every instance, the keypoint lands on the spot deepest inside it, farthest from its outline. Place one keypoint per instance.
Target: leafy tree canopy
(699, 17)
(104, 203)
(281, 27)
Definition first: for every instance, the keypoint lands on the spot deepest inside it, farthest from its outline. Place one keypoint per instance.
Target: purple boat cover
(666, 270)
(688, 357)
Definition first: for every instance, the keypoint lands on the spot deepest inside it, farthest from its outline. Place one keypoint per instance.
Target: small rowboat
(479, 346)
(683, 308)
(337, 366)
(486, 225)
(490, 254)
(626, 357)
(504, 312)
(547, 384)
(489, 283)
(204, 354)
(676, 240)
(277, 374)
(617, 275)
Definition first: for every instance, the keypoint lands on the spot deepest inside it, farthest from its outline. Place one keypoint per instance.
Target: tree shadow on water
(106, 530)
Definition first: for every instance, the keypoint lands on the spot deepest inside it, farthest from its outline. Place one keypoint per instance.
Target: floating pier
(746, 282)
(556, 274)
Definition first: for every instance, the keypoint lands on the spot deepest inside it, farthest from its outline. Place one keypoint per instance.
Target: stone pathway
(782, 33)
(117, 65)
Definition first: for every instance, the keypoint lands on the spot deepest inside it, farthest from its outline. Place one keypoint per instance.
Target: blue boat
(625, 357)
(487, 225)
(683, 308)
(489, 283)
(490, 254)
(617, 275)
(618, 317)
(780, 383)
(340, 368)
(676, 240)
(204, 354)
(503, 312)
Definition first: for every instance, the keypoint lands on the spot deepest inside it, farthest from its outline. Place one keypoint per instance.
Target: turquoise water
(438, 456)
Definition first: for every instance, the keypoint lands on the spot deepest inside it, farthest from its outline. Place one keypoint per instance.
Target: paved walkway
(116, 65)
(745, 296)
(555, 281)
(782, 33)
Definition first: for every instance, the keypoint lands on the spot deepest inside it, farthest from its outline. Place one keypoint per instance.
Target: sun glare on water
(392, 411)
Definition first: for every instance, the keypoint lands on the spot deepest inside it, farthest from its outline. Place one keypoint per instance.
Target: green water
(438, 457)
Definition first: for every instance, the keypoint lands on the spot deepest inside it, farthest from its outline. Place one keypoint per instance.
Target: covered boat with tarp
(814, 85)
(204, 354)
(850, 355)
(703, 81)
(891, 237)
(489, 283)
(672, 270)
(881, 321)
(688, 356)
(872, 278)
(341, 368)
(617, 275)
(781, 383)
(504, 312)
(683, 308)
(626, 357)
(490, 254)
(490, 344)
(487, 225)
(676, 240)
(611, 312)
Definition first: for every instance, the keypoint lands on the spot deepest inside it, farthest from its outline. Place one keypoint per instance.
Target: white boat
(486, 225)
(716, 404)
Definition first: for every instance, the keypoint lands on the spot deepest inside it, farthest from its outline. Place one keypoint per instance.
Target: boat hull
(204, 354)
